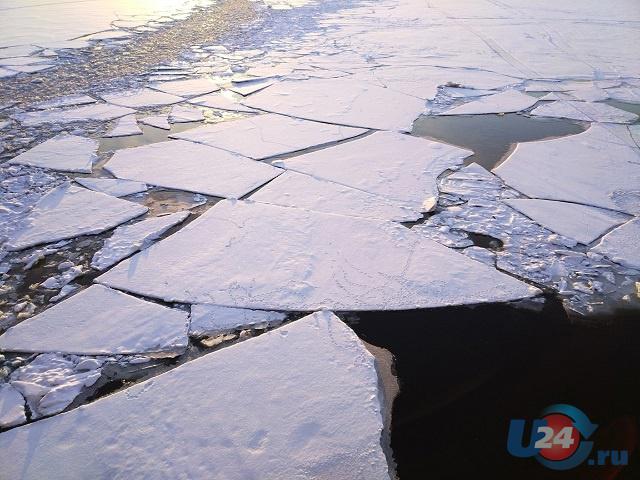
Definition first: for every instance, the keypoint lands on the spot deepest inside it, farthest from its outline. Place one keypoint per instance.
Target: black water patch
(485, 241)
(492, 137)
(465, 372)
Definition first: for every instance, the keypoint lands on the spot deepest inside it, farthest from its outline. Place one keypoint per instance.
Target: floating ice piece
(11, 406)
(30, 68)
(180, 114)
(20, 61)
(293, 189)
(100, 321)
(585, 111)
(18, 51)
(157, 121)
(580, 222)
(398, 167)
(6, 73)
(112, 186)
(66, 153)
(66, 101)
(302, 399)
(144, 97)
(221, 102)
(129, 239)
(592, 94)
(595, 168)
(481, 255)
(125, 127)
(552, 96)
(621, 245)
(303, 260)
(625, 94)
(188, 88)
(504, 102)
(192, 167)
(263, 136)
(341, 101)
(98, 111)
(211, 320)
(458, 92)
(247, 88)
(68, 212)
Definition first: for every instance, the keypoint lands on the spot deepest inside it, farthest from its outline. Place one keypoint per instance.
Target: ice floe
(582, 223)
(597, 167)
(126, 126)
(263, 136)
(141, 98)
(112, 186)
(585, 111)
(98, 111)
(211, 320)
(129, 239)
(188, 88)
(305, 398)
(100, 321)
(303, 260)
(622, 245)
(221, 102)
(157, 121)
(341, 101)
(70, 211)
(191, 166)
(249, 87)
(66, 101)
(292, 189)
(398, 167)
(67, 153)
(182, 114)
(11, 406)
(504, 102)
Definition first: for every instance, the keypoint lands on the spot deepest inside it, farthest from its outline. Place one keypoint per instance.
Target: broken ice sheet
(622, 245)
(235, 412)
(596, 167)
(264, 136)
(582, 223)
(503, 102)
(100, 321)
(11, 406)
(340, 101)
(249, 87)
(112, 186)
(157, 121)
(144, 97)
(129, 239)
(98, 111)
(67, 153)
(335, 261)
(585, 111)
(293, 189)
(124, 127)
(211, 320)
(193, 167)
(188, 88)
(65, 101)
(69, 211)
(399, 167)
(221, 102)
(182, 114)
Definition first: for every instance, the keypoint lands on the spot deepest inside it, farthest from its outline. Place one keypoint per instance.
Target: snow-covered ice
(303, 260)
(188, 88)
(100, 321)
(504, 102)
(68, 212)
(112, 186)
(263, 136)
(141, 98)
(157, 121)
(129, 239)
(126, 126)
(585, 111)
(249, 87)
(300, 401)
(221, 102)
(11, 406)
(582, 223)
(193, 167)
(622, 245)
(67, 153)
(292, 189)
(398, 167)
(66, 101)
(182, 114)
(211, 320)
(98, 111)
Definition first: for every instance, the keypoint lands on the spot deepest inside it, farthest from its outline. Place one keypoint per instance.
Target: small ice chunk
(100, 321)
(585, 111)
(221, 102)
(622, 245)
(66, 101)
(481, 255)
(125, 127)
(180, 114)
(157, 121)
(211, 320)
(129, 239)
(191, 167)
(503, 102)
(188, 88)
(66, 153)
(144, 97)
(11, 406)
(625, 94)
(6, 73)
(249, 87)
(112, 186)
(264, 136)
(98, 111)
(68, 212)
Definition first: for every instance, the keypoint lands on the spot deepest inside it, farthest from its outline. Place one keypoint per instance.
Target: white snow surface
(112, 186)
(144, 97)
(585, 111)
(100, 321)
(221, 102)
(11, 406)
(69, 211)
(97, 111)
(303, 260)
(263, 136)
(64, 152)
(622, 245)
(582, 223)
(129, 239)
(188, 88)
(210, 320)
(302, 401)
(193, 167)
(126, 126)
(158, 121)
(503, 102)
(184, 114)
